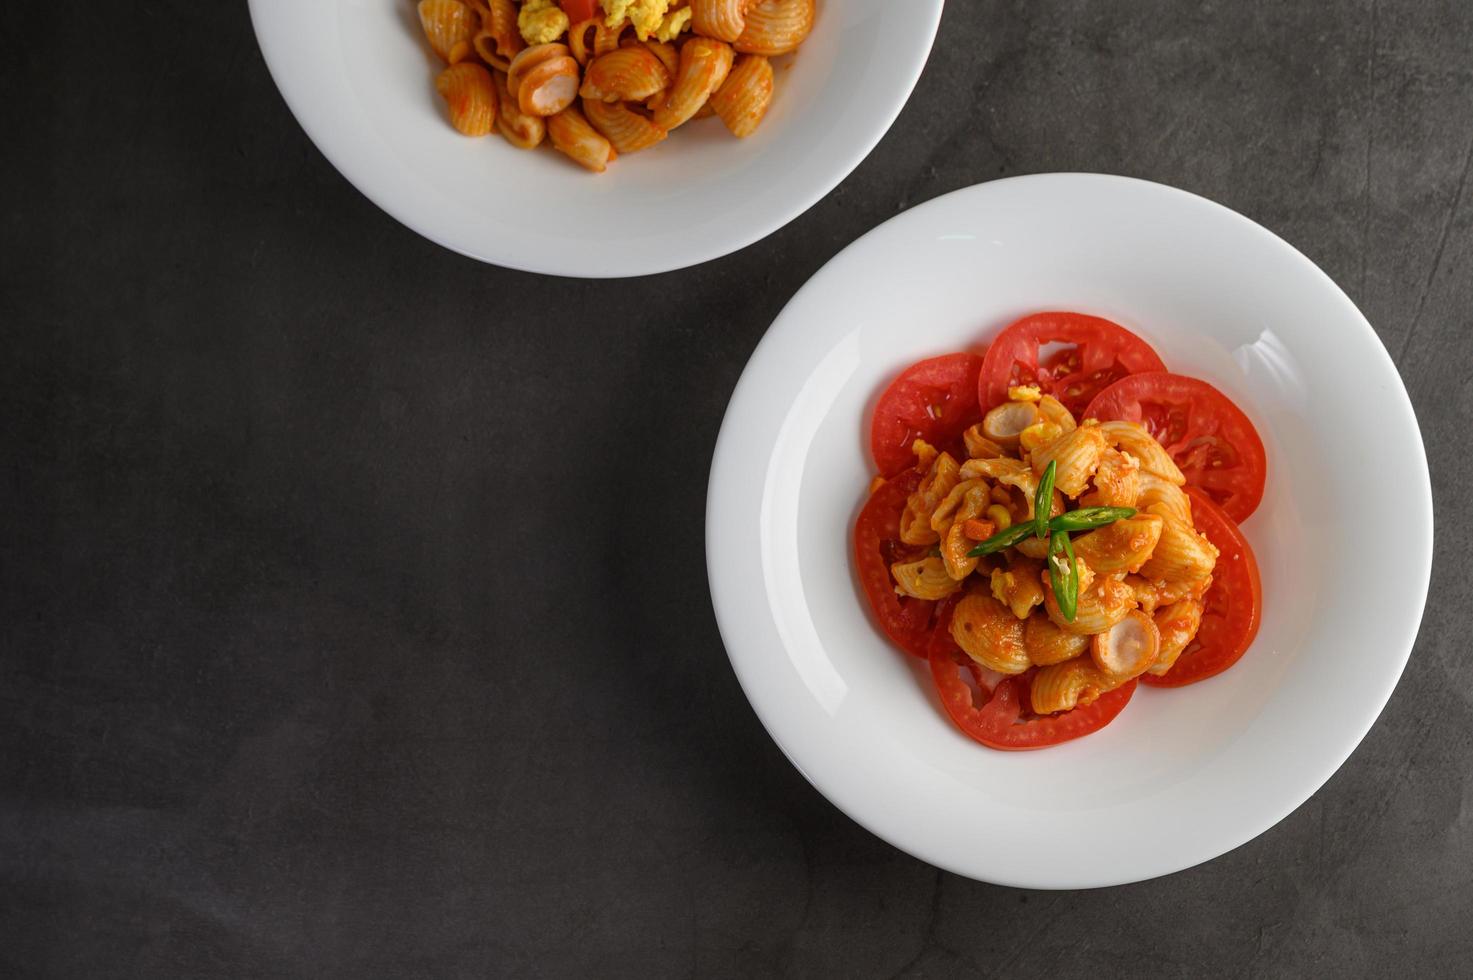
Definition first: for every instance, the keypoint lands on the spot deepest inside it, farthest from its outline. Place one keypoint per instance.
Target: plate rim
(1423, 543)
(278, 61)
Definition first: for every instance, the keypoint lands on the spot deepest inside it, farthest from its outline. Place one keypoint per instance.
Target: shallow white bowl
(359, 77)
(1183, 775)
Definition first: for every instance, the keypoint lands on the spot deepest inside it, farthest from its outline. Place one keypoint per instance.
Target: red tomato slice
(579, 10)
(934, 400)
(940, 641)
(906, 621)
(1004, 720)
(1210, 438)
(1234, 603)
(1098, 354)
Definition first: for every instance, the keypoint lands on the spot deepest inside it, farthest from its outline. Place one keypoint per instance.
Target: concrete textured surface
(326, 646)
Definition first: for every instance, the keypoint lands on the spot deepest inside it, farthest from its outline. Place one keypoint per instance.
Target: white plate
(359, 77)
(1183, 775)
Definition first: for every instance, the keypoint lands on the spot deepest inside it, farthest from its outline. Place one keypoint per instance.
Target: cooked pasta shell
(608, 38)
(915, 528)
(979, 446)
(1019, 586)
(775, 27)
(704, 65)
(967, 499)
(500, 22)
(581, 39)
(1117, 481)
(1178, 624)
(743, 99)
(1146, 594)
(666, 52)
(1098, 609)
(520, 129)
(915, 522)
(670, 58)
(629, 131)
(449, 26)
(572, 135)
(1031, 547)
(1011, 473)
(630, 74)
(923, 579)
(1120, 547)
(1075, 456)
(485, 46)
(1181, 554)
(989, 634)
(1071, 684)
(548, 87)
(528, 59)
(1159, 496)
(1047, 644)
(1127, 649)
(954, 547)
(1050, 409)
(470, 97)
(1134, 439)
(723, 20)
(1003, 469)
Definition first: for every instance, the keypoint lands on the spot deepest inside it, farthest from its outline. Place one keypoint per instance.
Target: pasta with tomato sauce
(601, 78)
(1048, 532)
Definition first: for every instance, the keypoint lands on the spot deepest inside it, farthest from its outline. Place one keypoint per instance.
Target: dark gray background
(353, 610)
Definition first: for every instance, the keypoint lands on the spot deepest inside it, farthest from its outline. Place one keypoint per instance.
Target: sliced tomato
(1000, 717)
(934, 400)
(906, 621)
(1233, 606)
(579, 10)
(1210, 438)
(1096, 353)
(940, 640)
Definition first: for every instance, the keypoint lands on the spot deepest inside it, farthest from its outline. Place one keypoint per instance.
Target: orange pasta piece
(571, 134)
(665, 51)
(607, 38)
(630, 74)
(578, 39)
(449, 26)
(626, 129)
(775, 27)
(520, 129)
(704, 65)
(1071, 684)
(989, 634)
(743, 99)
(723, 20)
(502, 25)
(470, 97)
(485, 45)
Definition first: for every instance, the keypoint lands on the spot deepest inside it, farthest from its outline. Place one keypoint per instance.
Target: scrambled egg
(675, 22)
(541, 21)
(649, 17)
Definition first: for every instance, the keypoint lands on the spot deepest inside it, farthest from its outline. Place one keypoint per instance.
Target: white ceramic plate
(1182, 775)
(359, 77)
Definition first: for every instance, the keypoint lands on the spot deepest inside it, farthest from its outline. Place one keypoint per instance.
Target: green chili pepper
(1089, 518)
(1002, 539)
(1063, 573)
(1043, 500)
